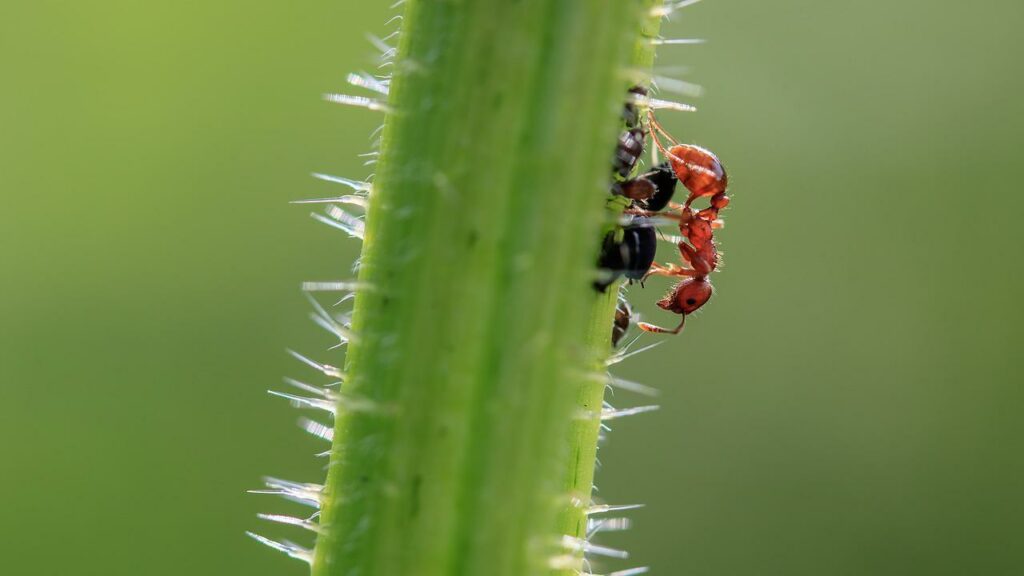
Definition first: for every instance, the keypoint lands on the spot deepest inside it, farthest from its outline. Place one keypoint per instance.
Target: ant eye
(691, 301)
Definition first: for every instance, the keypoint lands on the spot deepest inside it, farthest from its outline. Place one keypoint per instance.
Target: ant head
(688, 296)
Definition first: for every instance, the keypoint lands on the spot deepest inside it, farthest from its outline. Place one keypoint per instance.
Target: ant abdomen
(699, 170)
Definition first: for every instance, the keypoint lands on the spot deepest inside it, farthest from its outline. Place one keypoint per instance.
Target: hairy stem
(479, 334)
(590, 395)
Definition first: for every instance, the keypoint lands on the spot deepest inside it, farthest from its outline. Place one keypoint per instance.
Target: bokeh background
(848, 404)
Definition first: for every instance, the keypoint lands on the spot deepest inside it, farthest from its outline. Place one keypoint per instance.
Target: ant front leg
(659, 330)
(670, 270)
(700, 266)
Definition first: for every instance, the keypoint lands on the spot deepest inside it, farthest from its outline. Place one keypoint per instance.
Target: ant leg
(649, 214)
(655, 270)
(693, 258)
(670, 270)
(659, 330)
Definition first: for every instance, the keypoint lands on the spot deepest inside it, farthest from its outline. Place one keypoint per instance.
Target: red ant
(703, 175)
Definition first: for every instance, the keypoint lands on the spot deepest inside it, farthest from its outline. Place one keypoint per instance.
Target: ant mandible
(703, 175)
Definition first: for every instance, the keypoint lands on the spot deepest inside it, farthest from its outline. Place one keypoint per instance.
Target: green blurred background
(849, 403)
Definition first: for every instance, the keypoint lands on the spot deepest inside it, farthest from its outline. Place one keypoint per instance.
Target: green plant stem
(472, 343)
(590, 396)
